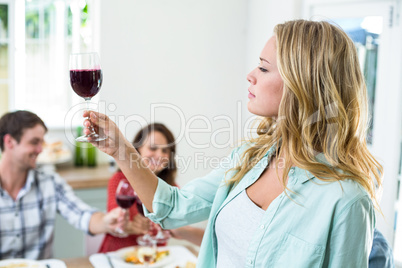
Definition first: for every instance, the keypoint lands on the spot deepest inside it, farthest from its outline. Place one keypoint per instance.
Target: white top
(235, 226)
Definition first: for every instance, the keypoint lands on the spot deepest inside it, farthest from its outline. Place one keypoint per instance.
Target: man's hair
(14, 123)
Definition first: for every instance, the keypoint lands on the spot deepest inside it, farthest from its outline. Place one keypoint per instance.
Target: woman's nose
(251, 77)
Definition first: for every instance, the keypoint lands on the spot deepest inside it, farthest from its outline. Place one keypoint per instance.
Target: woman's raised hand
(115, 143)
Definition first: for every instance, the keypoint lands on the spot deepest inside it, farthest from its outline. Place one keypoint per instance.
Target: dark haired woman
(156, 144)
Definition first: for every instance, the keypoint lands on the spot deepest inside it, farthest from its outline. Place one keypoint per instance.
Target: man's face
(30, 146)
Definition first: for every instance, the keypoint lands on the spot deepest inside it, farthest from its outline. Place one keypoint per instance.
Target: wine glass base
(91, 138)
(118, 232)
(146, 240)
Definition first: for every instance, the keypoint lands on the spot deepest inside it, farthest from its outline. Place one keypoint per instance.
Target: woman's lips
(250, 95)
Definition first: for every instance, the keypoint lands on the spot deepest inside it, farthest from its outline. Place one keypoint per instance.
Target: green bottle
(91, 155)
(78, 154)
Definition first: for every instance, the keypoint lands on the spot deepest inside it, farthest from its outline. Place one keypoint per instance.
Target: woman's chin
(251, 109)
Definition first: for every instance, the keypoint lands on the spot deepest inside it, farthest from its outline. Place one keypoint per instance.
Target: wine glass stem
(91, 128)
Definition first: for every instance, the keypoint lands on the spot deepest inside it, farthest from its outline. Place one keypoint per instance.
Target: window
(51, 31)
(4, 58)
(365, 33)
(375, 28)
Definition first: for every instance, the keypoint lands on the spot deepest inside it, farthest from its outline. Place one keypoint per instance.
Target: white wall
(194, 55)
(190, 55)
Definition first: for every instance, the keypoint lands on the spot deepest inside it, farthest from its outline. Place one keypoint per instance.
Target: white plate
(16, 262)
(53, 263)
(118, 258)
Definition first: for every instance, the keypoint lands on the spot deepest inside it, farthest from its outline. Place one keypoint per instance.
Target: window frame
(17, 61)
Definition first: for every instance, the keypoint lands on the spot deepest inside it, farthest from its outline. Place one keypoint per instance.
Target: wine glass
(155, 232)
(147, 250)
(86, 81)
(125, 198)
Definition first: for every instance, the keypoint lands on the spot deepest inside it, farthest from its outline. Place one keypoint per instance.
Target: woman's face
(266, 84)
(155, 152)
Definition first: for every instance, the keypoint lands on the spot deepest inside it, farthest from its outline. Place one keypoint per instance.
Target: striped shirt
(27, 223)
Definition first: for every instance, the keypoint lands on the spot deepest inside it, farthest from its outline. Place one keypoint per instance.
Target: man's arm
(82, 216)
(97, 224)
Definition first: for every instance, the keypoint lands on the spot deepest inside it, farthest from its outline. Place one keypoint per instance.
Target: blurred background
(184, 63)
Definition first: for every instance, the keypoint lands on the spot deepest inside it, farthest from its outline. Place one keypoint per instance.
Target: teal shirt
(325, 224)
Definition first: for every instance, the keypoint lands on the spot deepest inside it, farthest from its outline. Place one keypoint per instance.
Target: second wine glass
(125, 198)
(155, 232)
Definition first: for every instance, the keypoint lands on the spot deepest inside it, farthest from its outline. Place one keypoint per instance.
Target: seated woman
(156, 144)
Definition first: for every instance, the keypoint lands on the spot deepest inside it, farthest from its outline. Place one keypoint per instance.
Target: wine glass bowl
(125, 198)
(86, 83)
(138, 203)
(86, 80)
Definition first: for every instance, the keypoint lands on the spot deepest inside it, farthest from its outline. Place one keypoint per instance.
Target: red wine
(86, 83)
(125, 201)
(139, 206)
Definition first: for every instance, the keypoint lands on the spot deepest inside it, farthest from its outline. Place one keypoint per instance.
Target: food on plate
(132, 257)
(189, 264)
(54, 152)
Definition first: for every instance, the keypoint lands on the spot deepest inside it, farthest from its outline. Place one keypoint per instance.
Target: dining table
(82, 262)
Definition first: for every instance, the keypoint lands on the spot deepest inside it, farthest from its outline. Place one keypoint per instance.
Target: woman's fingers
(101, 120)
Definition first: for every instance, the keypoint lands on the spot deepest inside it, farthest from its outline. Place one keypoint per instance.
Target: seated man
(30, 199)
(381, 253)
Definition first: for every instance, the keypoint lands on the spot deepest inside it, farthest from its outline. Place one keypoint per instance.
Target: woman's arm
(165, 204)
(352, 235)
(126, 156)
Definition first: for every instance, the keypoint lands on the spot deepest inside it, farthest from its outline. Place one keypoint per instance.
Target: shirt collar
(302, 175)
(295, 173)
(306, 175)
(28, 184)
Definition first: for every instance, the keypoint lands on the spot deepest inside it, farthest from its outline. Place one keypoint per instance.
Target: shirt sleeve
(352, 235)
(174, 207)
(70, 207)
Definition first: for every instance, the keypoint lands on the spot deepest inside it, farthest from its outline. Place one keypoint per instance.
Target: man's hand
(115, 219)
(118, 219)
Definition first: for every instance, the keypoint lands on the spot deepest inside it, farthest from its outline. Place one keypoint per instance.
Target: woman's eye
(263, 69)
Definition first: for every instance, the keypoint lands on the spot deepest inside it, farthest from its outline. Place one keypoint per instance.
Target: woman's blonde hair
(324, 108)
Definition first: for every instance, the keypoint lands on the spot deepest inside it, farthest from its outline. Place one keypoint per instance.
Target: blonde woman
(302, 194)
